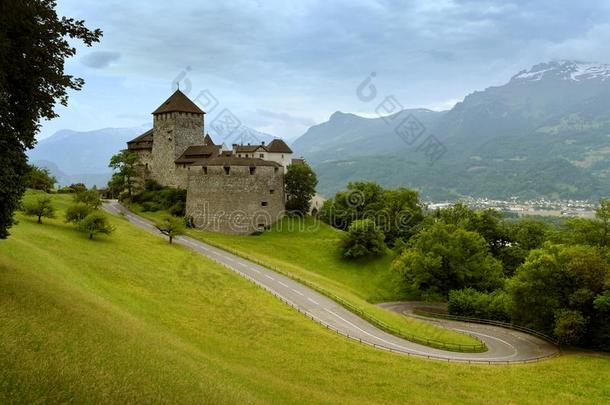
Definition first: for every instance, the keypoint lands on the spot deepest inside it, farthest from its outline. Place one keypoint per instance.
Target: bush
(570, 326)
(77, 212)
(362, 239)
(472, 303)
(95, 223)
(155, 198)
(89, 197)
(150, 206)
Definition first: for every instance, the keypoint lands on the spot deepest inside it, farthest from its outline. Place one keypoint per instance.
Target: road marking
(285, 285)
(298, 292)
(315, 302)
(268, 276)
(256, 271)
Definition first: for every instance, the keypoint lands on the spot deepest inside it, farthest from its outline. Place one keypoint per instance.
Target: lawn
(129, 318)
(307, 250)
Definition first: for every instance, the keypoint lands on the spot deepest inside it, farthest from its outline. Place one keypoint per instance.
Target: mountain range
(545, 133)
(82, 157)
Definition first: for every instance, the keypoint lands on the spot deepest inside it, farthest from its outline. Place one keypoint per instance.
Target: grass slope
(130, 319)
(307, 249)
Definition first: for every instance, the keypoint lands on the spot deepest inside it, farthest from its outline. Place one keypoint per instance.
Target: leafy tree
(94, 224)
(38, 206)
(401, 214)
(171, 227)
(126, 163)
(77, 212)
(557, 278)
(361, 200)
(301, 182)
(570, 326)
(602, 213)
(89, 197)
(487, 223)
(445, 257)
(40, 179)
(33, 47)
(524, 235)
(362, 239)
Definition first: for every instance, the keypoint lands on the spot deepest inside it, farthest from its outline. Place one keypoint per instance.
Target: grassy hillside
(129, 318)
(307, 250)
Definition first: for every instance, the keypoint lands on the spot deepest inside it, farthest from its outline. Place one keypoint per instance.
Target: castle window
(262, 155)
(184, 166)
(264, 203)
(252, 169)
(239, 155)
(146, 166)
(205, 170)
(275, 169)
(227, 169)
(271, 191)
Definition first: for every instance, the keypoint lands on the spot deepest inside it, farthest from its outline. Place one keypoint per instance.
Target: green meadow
(128, 318)
(307, 250)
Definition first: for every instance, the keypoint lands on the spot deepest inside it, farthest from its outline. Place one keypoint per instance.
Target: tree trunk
(40, 219)
(90, 236)
(171, 238)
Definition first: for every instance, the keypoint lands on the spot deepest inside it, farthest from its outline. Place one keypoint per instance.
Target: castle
(238, 190)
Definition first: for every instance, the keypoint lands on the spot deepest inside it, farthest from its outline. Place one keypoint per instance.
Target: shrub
(77, 212)
(150, 206)
(476, 304)
(570, 326)
(95, 223)
(89, 197)
(362, 239)
(171, 227)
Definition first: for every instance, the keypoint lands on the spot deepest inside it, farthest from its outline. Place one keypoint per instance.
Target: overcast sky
(282, 66)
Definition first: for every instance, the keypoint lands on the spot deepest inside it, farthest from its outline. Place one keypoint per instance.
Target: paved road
(504, 347)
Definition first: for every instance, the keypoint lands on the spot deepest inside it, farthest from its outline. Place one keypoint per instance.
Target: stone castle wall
(240, 202)
(173, 134)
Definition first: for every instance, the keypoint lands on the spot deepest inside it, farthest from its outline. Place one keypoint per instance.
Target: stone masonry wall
(173, 133)
(235, 203)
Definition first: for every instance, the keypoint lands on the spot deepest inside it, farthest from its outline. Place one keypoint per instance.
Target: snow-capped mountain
(565, 70)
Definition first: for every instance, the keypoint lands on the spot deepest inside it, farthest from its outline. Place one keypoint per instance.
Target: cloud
(286, 118)
(100, 59)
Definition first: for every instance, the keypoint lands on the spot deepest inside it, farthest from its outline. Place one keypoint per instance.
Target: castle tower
(177, 124)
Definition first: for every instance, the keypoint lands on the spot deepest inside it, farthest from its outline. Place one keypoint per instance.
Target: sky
(283, 66)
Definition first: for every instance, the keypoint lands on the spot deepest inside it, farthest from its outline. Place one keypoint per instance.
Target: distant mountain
(74, 157)
(544, 133)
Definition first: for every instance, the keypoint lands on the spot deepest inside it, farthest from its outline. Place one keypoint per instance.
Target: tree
(33, 47)
(89, 197)
(77, 212)
(361, 200)
(171, 227)
(525, 235)
(125, 162)
(445, 257)
(95, 223)
(301, 182)
(560, 278)
(362, 239)
(39, 206)
(40, 179)
(401, 214)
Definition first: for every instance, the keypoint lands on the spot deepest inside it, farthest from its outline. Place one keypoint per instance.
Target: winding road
(504, 346)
